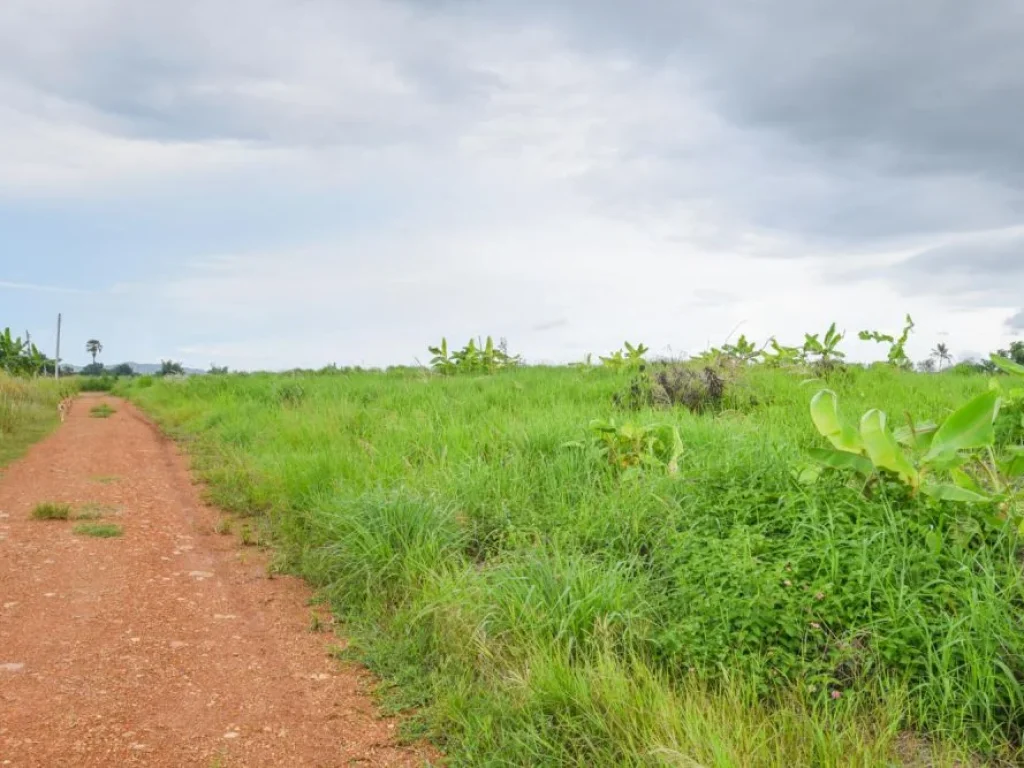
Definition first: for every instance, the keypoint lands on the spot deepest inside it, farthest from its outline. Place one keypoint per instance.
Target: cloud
(284, 180)
(39, 288)
(981, 270)
(1016, 322)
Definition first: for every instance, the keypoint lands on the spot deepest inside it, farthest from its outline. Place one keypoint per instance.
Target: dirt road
(167, 646)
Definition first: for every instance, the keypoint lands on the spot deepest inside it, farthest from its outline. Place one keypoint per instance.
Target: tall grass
(536, 607)
(28, 410)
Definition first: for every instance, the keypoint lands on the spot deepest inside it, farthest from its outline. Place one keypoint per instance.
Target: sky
(266, 184)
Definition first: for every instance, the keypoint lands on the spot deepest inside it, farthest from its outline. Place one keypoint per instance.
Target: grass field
(529, 603)
(28, 411)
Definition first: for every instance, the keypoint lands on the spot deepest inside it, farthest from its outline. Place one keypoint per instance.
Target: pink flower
(836, 695)
(820, 596)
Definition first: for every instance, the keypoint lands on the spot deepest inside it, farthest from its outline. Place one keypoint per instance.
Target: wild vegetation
(28, 410)
(545, 570)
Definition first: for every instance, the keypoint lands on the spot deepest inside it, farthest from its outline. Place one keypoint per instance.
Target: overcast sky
(271, 183)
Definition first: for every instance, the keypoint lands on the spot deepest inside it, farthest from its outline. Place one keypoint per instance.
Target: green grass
(102, 411)
(51, 511)
(99, 530)
(28, 412)
(535, 606)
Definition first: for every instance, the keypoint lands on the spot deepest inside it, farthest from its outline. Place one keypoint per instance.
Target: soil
(171, 645)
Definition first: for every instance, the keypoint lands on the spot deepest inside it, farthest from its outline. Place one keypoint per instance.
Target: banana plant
(635, 447)
(628, 357)
(827, 349)
(780, 356)
(954, 461)
(743, 350)
(442, 362)
(19, 358)
(897, 355)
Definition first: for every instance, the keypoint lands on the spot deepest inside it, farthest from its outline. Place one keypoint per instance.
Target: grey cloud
(1016, 322)
(550, 325)
(868, 120)
(977, 271)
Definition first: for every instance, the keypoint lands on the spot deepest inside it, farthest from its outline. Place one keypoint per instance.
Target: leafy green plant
(629, 357)
(743, 350)
(20, 358)
(897, 355)
(954, 461)
(631, 446)
(824, 352)
(475, 357)
(780, 356)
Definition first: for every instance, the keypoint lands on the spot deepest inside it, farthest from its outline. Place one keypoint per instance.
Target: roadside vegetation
(651, 563)
(28, 403)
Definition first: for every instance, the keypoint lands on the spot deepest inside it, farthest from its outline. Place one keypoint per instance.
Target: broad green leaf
(934, 542)
(970, 426)
(1013, 465)
(825, 415)
(962, 480)
(883, 449)
(843, 460)
(1008, 365)
(919, 437)
(946, 492)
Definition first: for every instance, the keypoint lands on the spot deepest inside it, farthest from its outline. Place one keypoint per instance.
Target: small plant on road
(99, 530)
(50, 511)
(102, 411)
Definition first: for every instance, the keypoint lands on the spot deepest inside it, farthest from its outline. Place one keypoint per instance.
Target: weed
(51, 511)
(99, 530)
(223, 526)
(102, 411)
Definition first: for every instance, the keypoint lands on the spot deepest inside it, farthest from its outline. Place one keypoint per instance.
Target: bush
(96, 383)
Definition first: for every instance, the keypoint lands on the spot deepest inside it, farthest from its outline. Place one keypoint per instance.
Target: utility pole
(56, 362)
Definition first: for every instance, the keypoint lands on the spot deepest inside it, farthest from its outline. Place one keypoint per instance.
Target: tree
(926, 366)
(1015, 352)
(93, 369)
(93, 347)
(941, 353)
(19, 358)
(121, 370)
(171, 368)
(218, 370)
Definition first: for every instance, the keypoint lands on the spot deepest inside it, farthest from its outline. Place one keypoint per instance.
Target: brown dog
(64, 408)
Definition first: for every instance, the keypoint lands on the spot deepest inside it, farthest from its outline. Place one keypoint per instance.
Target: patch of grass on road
(49, 510)
(102, 411)
(99, 530)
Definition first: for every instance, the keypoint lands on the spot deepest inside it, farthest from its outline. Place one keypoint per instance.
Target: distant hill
(139, 368)
(144, 368)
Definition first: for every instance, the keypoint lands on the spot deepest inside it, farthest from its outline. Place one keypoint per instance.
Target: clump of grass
(94, 511)
(99, 530)
(105, 479)
(223, 526)
(51, 511)
(102, 411)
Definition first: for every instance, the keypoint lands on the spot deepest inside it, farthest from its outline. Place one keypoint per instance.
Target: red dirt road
(169, 646)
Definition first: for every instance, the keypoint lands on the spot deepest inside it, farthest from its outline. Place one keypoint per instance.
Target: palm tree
(93, 347)
(941, 353)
